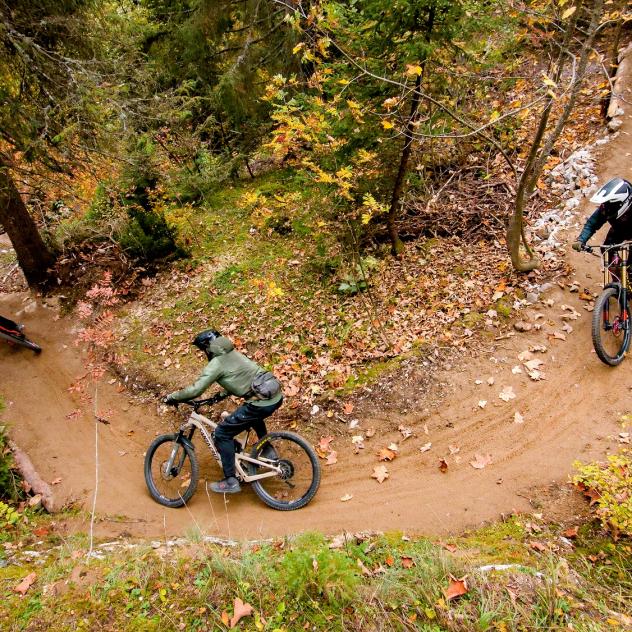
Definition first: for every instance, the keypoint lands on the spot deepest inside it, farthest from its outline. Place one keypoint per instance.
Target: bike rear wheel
(300, 477)
(611, 327)
(174, 486)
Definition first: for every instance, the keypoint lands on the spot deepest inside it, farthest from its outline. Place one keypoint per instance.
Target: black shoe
(268, 452)
(228, 485)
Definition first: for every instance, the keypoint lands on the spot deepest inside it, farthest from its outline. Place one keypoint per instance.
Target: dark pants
(246, 416)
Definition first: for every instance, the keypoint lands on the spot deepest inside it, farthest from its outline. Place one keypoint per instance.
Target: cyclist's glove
(170, 401)
(578, 245)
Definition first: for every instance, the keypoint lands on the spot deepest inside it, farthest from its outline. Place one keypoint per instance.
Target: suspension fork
(183, 437)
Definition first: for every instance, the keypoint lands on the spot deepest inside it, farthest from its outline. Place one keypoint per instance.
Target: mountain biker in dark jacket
(235, 373)
(615, 200)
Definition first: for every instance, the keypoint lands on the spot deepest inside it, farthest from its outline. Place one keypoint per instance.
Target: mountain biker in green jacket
(235, 373)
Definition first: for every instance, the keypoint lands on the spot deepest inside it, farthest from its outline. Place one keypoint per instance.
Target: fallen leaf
(482, 403)
(537, 546)
(370, 432)
(523, 356)
(332, 458)
(515, 370)
(25, 584)
(507, 393)
(40, 532)
(241, 609)
(585, 297)
(481, 461)
(535, 375)
(490, 381)
(443, 466)
(449, 547)
(394, 447)
(385, 454)
(56, 481)
(389, 561)
(456, 588)
(454, 449)
(407, 562)
(567, 328)
(571, 532)
(406, 432)
(346, 497)
(324, 442)
(347, 408)
(533, 364)
(518, 418)
(354, 424)
(425, 447)
(557, 335)
(537, 348)
(380, 473)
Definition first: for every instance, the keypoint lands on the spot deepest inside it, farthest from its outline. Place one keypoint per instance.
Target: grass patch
(384, 582)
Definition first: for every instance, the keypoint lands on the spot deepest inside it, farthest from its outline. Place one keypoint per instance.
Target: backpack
(265, 385)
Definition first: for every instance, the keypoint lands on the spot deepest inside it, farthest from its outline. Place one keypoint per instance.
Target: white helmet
(615, 197)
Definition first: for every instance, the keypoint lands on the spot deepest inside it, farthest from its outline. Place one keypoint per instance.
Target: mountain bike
(611, 323)
(282, 466)
(14, 333)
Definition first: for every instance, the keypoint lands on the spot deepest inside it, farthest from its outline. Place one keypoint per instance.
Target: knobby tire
(183, 496)
(598, 327)
(278, 439)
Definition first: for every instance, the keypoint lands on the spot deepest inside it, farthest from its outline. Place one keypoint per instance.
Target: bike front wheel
(300, 471)
(171, 471)
(611, 326)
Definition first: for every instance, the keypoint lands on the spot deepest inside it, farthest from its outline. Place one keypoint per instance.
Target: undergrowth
(492, 579)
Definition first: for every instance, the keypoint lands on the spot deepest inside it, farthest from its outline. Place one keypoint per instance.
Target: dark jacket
(620, 229)
(232, 370)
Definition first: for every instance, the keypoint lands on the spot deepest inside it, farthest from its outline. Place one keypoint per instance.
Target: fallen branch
(30, 475)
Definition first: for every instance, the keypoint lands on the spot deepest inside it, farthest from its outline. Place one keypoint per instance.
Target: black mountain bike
(611, 322)
(283, 468)
(13, 332)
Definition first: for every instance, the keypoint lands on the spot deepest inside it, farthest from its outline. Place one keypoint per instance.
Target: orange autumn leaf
(25, 584)
(407, 562)
(456, 588)
(386, 454)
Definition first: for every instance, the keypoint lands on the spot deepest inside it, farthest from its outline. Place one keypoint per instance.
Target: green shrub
(314, 570)
(609, 485)
(147, 236)
(9, 487)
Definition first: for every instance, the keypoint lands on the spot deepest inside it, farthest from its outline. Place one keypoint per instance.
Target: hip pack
(265, 386)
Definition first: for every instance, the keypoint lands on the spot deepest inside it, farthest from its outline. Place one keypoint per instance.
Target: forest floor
(489, 440)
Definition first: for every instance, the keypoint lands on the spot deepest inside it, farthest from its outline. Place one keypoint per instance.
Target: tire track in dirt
(570, 415)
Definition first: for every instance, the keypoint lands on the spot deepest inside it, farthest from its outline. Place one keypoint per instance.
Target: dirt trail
(570, 415)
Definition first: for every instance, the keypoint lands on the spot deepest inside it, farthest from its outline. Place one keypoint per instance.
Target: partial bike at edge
(282, 466)
(611, 322)
(13, 333)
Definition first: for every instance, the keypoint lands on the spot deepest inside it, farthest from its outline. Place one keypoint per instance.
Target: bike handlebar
(198, 403)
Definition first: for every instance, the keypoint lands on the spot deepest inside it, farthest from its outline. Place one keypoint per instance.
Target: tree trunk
(34, 257)
(398, 187)
(537, 155)
(614, 58)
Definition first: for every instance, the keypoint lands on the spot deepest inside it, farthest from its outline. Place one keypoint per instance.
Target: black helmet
(204, 339)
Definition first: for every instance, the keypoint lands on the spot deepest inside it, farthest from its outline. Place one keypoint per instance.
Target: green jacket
(232, 370)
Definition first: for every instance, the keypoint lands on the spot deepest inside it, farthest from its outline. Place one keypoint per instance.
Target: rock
(615, 124)
(532, 297)
(521, 325)
(543, 232)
